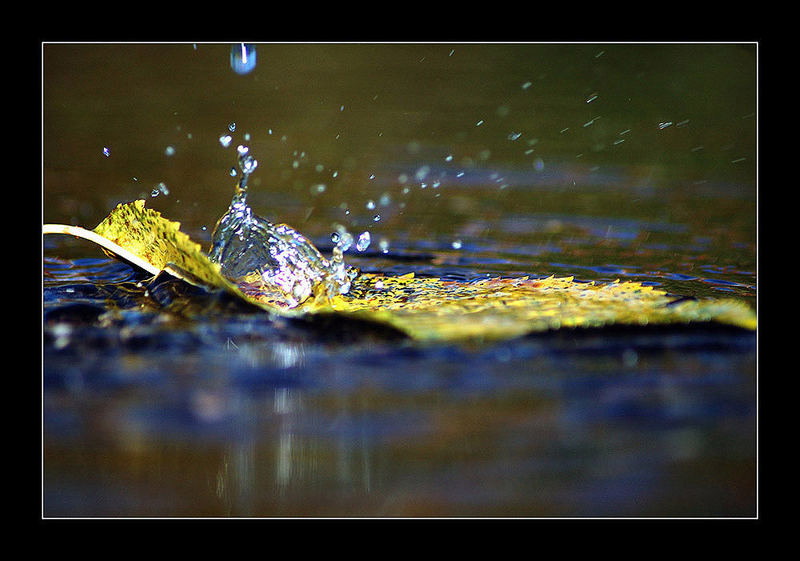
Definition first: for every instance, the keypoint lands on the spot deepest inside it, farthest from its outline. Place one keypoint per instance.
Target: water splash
(273, 260)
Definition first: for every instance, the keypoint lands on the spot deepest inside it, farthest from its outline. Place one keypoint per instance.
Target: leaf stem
(106, 244)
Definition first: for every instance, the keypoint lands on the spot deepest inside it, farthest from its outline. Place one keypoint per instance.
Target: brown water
(603, 161)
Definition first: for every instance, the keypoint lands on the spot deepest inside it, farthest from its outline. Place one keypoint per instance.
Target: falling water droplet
(225, 140)
(106, 151)
(243, 58)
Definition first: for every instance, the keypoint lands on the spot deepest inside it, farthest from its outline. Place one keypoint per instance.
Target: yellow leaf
(158, 241)
(432, 309)
(427, 309)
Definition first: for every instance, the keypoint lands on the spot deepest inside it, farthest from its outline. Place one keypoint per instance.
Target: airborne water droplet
(247, 163)
(363, 241)
(159, 189)
(346, 242)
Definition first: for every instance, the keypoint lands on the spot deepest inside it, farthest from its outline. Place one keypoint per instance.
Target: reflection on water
(238, 415)
(163, 400)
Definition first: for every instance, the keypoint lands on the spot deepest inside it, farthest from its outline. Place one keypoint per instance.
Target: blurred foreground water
(631, 162)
